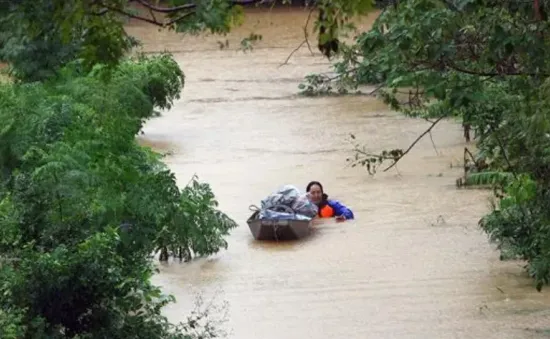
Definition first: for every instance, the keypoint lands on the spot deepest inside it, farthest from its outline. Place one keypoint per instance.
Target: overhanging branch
(166, 9)
(193, 5)
(305, 41)
(187, 10)
(133, 16)
(180, 18)
(435, 122)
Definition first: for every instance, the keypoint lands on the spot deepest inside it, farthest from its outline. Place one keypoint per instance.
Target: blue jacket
(338, 209)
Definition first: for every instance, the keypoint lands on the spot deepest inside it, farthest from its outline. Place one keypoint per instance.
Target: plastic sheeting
(289, 204)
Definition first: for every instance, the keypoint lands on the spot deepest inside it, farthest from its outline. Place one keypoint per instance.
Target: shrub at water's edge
(83, 206)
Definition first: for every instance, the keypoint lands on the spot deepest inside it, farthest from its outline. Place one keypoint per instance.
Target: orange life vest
(326, 211)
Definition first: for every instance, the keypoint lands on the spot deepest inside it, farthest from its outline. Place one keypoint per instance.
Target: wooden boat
(278, 230)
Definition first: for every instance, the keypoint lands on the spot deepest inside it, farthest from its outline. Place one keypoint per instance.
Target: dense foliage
(83, 206)
(38, 37)
(485, 63)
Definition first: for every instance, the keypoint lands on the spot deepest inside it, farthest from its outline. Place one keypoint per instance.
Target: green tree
(39, 37)
(484, 63)
(83, 207)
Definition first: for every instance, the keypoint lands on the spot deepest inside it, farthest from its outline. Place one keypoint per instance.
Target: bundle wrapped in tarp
(287, 203)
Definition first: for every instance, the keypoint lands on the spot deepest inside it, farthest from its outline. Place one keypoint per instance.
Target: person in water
(328, 208)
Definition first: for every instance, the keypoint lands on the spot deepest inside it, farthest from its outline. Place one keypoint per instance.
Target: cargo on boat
(285, 214)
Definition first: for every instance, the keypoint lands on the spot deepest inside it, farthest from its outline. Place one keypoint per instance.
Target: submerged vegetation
(485, 63)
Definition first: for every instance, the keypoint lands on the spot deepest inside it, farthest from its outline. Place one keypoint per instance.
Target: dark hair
(308, 187)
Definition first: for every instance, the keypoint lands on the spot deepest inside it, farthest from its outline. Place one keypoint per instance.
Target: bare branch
(292, 53)
(306, 33)
(415, 142)
(431, 137)
(133, 16)
(376, 89)
(433, 143)
(180, 18)
(306, 39)
(152, 14)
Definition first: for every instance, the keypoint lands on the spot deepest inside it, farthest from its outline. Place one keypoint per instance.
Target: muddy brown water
(414, 263)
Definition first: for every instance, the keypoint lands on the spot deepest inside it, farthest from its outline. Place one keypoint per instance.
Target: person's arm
(341, 210)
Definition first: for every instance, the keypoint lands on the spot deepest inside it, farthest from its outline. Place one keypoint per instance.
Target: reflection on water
(413, 264)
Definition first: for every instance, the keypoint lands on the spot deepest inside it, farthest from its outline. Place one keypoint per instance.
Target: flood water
(413, 265)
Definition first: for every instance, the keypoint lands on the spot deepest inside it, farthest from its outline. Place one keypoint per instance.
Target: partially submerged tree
(83, 206)
(487, 64)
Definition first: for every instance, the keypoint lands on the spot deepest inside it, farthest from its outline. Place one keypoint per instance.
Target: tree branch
(180, 18)
(376, 89)
(133, 16)
(431, 137)
(292, 53)
(166, 10)
(152, 14)
(415, 142)
(306, 33)
(306, 40)
(193, 5)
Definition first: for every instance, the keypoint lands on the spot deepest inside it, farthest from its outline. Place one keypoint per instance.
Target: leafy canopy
(39, 37)
(83, 206)
(485, 63)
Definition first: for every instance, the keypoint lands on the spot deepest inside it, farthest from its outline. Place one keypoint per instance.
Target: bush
(84, 207)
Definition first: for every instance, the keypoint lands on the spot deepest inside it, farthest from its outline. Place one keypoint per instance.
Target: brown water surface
(413, 265)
